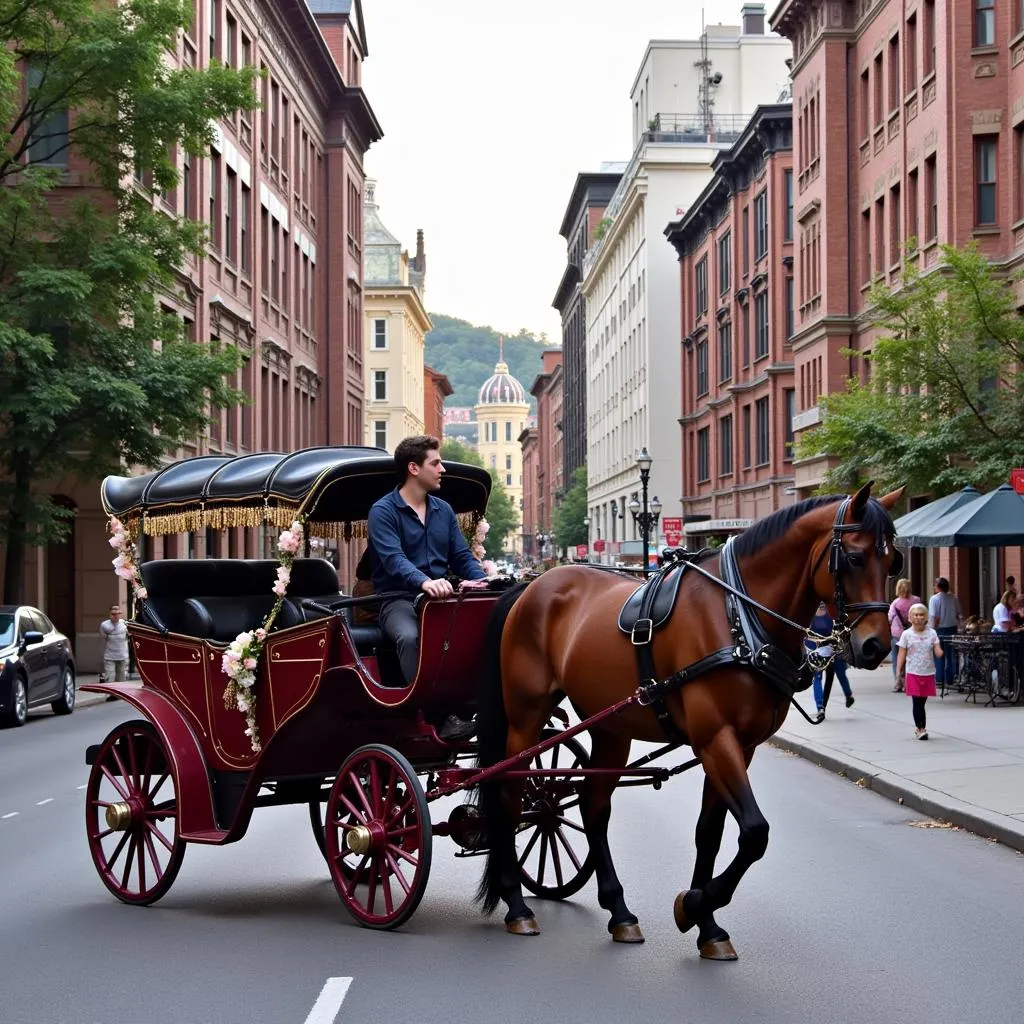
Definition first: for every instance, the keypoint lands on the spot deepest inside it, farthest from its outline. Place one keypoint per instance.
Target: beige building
(501, 414)
(396, 327)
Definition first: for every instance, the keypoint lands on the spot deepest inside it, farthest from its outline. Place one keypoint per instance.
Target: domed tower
(501, 411)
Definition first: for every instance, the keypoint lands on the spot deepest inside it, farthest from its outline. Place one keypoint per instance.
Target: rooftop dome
(501, 388)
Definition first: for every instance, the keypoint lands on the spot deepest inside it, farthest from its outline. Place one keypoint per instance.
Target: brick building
(545, 449)
(735, 246)
(529, 442)
(909, 130)
(436, 388)
(281, 190)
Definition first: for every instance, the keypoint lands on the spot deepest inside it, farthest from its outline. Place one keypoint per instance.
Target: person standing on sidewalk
(822, 625)
(920, 652)
(944, 617)
(899, 620)
(115, 646)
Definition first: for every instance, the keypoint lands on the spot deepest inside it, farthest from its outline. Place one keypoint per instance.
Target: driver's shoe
(453, 728)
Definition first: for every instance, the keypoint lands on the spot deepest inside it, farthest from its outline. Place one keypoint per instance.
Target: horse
(555, 637)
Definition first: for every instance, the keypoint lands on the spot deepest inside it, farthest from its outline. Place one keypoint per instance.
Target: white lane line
(328, 1003)
(13, 814)
(41, 803)
(79, 787)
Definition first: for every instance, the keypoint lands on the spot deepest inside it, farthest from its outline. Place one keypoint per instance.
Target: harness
(751, 646)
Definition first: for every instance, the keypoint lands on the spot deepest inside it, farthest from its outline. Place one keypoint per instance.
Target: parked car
(36, 665)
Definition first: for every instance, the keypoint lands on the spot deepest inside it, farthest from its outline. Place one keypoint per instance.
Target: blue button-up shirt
(405, 552)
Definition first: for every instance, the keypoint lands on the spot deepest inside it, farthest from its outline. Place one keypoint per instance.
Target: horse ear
(860, 499)
(891, 499)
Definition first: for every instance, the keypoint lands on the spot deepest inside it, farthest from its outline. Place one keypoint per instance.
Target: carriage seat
(221, 619)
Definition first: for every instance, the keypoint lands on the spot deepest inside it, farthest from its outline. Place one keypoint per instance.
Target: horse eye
(856, 560)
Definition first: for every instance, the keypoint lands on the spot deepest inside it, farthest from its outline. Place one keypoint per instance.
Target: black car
(36, 665)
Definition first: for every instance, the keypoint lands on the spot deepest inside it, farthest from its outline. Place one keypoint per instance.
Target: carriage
(338, 729)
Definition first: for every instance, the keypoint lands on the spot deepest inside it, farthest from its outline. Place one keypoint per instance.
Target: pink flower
(261, 635)
(249, 663)
(289, 542)
(141, 593)
(115, 541)
(280, 588)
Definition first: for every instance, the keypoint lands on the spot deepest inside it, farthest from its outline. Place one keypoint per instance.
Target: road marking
(328, 1003)
(79, 787)
(48, 800)
(13, 814)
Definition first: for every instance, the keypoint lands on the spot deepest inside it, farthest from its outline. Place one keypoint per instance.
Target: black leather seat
(221, 619)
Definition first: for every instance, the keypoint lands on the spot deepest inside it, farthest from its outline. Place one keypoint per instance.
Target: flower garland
(242, 657)
(126, 564)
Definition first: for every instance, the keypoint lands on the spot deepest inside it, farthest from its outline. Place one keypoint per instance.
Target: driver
(414, 544)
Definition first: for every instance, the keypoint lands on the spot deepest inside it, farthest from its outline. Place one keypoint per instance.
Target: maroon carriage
(323, 718)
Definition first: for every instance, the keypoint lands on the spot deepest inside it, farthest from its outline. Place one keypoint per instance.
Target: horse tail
(492, 741)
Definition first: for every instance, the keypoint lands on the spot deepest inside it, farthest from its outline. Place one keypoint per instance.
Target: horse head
(852, 572)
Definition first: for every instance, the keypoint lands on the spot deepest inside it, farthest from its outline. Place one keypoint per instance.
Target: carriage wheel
(378, 836)
(317, 816)
(551, 846)
(131, 815)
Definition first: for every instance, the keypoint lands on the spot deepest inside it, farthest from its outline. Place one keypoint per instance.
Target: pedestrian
(944, 617)
(899, 620)
(1002, 613)
(115, 646)
(920, 653)
(822, 625)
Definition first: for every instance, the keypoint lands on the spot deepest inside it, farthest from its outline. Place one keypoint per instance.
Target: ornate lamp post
(586, 526)
(542, 539)
(645, 515)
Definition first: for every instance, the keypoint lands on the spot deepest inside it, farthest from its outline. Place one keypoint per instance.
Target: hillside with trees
(466, 354)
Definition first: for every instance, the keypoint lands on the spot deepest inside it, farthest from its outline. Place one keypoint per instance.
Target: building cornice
(580, 197)
(566, 286)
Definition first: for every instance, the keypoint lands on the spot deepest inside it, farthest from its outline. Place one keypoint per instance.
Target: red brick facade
(547, 389)
(436, 388)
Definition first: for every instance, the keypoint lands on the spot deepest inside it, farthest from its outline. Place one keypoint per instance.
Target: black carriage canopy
(333, 487)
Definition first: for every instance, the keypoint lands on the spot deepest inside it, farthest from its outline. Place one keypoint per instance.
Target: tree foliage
(454, 450)
(501, 513)
(567, 517)
(944, 403)
(97, 376)
(466, 355)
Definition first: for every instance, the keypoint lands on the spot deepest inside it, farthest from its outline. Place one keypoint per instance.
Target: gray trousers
(399, 621)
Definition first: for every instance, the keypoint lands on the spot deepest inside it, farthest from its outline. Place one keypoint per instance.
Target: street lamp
(542, 539)
(646, 517)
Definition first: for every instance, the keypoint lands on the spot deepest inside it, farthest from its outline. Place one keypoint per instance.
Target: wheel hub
(119, 815)
(360, 839)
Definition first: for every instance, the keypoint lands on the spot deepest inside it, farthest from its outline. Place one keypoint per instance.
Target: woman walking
(899, 620)
(919, 648)
(822, 625)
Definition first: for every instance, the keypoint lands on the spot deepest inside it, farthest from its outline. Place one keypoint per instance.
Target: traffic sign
(581, 552)
(599, 545)
(673, 530)
(1017, 479)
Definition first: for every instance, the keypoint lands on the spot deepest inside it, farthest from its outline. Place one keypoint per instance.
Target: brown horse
(556, 637)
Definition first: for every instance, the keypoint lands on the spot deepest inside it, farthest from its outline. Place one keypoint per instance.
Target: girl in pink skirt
(919, 646)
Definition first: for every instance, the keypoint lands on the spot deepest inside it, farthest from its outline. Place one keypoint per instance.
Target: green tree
(567, 517)
(944, 403)
(453, 450)
(502, 516)
(96, 375)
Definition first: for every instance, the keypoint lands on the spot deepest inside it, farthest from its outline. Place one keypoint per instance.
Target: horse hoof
(627, 933)
(683, 923)
(523, 926)
(718, 949)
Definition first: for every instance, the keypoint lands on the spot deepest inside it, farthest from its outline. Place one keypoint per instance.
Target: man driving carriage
(414, 544)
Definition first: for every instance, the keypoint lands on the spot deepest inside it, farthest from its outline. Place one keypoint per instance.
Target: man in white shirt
(944, 617)
(115, 646)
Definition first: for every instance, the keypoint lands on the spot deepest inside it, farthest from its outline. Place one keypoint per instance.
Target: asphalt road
(854, 915)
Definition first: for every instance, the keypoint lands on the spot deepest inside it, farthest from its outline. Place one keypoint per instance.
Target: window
(494, 462)
(865, 104)
(879, 227)
(789, 403)
(745, 335)
(984, 22)
(931, 199)
(912, 200)
(746, 437)
(790, 312)
(213, 17)
(508, 461)
(876, 88)
(508, 430)
(702, 367)
(49, 141)
(700, 281)
(894, 74)
(725, 262)
(380, 433)
(244, 241)
(895, 226)
(230, 31)
(380, 385)
(214, 217)
(910, 53)
(1018, 136)
(865, 246)
(761, 325)
(985, 179)
(380, 334)
(188, 187)
(928, 42)
(230, 217)
(703, 454)
(761, 225)
(787, 191)
(508, 479)
(763, 431)
(725, 351)
(725, 445)
(746, 239)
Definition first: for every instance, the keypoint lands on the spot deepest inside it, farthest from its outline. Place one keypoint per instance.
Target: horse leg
(725, 765)
(708, 841)
(609, 752)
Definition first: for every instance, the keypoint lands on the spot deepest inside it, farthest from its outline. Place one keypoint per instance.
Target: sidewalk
(970, 772)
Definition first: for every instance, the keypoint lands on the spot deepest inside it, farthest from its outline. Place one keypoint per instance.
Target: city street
(861, 911)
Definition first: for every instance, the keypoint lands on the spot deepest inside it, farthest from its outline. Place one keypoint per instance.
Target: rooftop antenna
(501, 348)
(708, 82)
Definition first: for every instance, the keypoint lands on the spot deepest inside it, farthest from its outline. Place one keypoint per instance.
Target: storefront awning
(716, 526)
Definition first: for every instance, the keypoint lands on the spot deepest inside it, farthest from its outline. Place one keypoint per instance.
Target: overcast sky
(490, 108)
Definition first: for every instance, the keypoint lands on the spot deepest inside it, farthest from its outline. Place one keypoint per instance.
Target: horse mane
(875, 519)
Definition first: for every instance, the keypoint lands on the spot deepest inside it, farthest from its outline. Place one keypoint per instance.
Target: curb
(987, 824)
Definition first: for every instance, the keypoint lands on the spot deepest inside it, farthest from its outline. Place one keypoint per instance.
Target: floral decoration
(126, 564)
(476, 546)
(242, 657)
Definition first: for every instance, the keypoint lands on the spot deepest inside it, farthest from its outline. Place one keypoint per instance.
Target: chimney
(420, 262)
(753, 19)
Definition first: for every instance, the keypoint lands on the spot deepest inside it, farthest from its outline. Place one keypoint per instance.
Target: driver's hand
(473, 585)
(437, 588)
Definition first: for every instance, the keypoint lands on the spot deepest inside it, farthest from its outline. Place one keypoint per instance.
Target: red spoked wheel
(379, 837)
(551, 846)
(131, 815)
